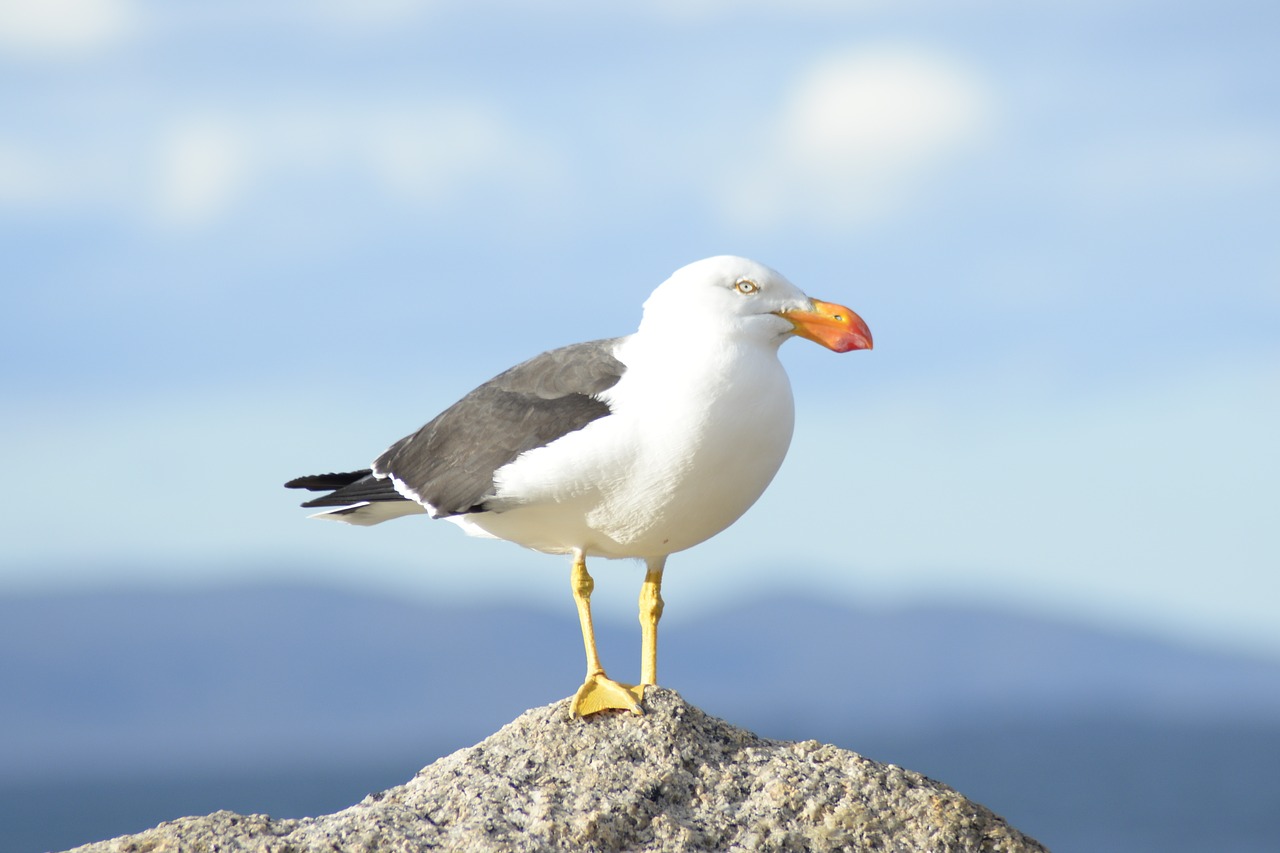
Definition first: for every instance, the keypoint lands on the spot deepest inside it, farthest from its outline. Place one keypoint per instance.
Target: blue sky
(260, 240)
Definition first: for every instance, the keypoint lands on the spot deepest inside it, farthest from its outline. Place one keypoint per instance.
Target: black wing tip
(327, 482)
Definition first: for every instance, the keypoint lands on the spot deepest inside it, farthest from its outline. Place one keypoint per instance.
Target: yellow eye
(746, 286)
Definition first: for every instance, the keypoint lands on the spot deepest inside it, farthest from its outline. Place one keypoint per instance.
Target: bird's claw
(600, 693)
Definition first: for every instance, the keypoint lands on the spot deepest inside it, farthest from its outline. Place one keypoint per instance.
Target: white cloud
(860, 134)
(189, 169)
(203, 169)
(886, 110)
(64, 28)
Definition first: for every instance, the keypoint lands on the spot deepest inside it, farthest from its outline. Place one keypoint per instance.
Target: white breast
(696, 436)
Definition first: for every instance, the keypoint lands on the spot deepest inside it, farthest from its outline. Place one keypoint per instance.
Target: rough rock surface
(674, 779)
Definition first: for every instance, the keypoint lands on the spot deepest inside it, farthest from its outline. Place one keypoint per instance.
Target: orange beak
(834, 326)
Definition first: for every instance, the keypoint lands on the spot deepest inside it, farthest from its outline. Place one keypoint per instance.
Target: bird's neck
(700, 366)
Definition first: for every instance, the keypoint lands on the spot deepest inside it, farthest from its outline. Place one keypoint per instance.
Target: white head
(733, 297)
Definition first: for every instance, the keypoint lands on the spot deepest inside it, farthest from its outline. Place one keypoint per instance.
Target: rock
(674, 779)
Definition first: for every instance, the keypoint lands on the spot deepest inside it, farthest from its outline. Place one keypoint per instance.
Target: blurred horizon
(256, 241)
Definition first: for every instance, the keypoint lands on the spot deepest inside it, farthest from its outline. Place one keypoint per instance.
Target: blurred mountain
(248, 698)
(227, 676)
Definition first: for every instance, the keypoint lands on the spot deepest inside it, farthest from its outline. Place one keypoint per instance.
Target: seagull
(632, 447)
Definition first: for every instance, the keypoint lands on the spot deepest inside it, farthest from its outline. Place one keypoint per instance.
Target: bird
(634, 447)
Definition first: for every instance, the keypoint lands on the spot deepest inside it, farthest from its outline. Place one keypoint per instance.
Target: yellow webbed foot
(599, 693)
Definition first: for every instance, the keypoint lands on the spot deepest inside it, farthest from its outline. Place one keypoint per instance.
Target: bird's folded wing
(448, 466)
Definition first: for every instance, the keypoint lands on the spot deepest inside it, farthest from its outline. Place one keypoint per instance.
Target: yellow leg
(598, 692)
(650, 613)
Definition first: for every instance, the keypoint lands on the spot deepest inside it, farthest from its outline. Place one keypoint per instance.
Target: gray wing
(449, 464)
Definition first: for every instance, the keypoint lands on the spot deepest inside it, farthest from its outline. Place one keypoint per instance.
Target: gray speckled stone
(674, 779)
